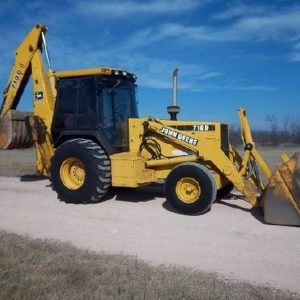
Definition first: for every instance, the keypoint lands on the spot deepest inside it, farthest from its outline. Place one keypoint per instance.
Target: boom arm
(13, 132)
(21, 70)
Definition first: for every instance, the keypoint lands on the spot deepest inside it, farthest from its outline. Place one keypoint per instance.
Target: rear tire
(190, 188)
(80, 171)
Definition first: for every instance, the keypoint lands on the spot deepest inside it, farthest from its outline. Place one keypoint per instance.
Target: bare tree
(235, 135)
(286, 125)
(284, 130)
(295, 130)
(274, 127)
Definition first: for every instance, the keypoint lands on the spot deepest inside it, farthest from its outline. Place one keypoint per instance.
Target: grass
(39, 269)
(272, 154)
(17, 162)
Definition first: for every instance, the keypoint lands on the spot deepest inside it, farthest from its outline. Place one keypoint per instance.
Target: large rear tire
(80, 171)
(190, 188)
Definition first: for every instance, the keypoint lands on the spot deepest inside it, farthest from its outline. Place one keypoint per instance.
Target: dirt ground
(231, 239)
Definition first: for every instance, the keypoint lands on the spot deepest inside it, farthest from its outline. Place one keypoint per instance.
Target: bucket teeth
(281, 198)
(13, 131)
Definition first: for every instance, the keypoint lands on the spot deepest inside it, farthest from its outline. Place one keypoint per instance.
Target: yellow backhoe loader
(88, 137)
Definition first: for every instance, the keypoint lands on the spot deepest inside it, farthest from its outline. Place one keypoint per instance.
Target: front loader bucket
(281, 198)
(13, 131)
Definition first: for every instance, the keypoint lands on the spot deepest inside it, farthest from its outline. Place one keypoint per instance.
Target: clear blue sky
(229, 53)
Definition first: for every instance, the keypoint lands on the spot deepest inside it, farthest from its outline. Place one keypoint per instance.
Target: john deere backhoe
(88, 137)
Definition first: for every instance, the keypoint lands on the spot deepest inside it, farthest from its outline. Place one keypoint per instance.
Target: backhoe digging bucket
(281, 198)
(13, 131)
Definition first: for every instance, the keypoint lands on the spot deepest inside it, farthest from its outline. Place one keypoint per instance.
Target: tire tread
(99, 180)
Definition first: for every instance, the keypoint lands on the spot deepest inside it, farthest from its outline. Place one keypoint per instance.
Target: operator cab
(95, 105)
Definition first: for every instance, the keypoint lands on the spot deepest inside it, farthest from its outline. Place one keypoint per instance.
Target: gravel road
(230, 239)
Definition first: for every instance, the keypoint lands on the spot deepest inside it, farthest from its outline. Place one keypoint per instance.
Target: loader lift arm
(238, 170)
(216, 157)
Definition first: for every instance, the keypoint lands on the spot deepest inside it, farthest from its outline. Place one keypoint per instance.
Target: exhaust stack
(174, 109)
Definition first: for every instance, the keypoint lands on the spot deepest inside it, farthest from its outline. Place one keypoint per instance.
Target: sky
(230, 54)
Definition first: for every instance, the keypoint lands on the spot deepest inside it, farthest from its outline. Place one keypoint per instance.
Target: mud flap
(13, 130)
(281, 198)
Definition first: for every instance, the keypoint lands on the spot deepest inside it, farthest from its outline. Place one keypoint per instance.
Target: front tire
(190, 188)
(80, 171)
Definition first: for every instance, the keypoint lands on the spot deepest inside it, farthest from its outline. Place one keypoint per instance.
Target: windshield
(117, 104)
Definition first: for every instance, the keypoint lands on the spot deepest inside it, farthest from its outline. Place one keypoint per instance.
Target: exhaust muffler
(174, 109)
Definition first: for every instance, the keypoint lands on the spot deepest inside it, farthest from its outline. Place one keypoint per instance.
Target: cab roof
(94, 71)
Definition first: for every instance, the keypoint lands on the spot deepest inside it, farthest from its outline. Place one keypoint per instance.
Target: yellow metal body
(128, 170)
(28, 62)
(175, 151)
(19, 73)
(251, 150)
(207, 147)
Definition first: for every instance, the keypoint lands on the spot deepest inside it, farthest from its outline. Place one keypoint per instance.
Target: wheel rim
(72, 173)
(188, 190)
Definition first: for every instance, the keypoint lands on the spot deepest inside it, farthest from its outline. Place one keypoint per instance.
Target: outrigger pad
(13, 131)
(281, 199)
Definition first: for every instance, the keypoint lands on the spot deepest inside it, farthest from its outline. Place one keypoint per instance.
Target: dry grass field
(17, 162)
(39, 269)
(272, 154)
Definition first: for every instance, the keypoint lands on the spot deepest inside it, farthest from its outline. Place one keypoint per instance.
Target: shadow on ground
(143, 194)
(256, 212)
(153, 191)
(166, 205)
(32, 177)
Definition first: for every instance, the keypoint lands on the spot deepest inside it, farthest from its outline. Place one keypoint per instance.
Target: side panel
(128, 170)
(208, 136)
(211, 137)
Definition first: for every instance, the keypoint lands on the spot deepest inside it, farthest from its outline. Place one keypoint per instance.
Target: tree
(274, 128)
(286, 127)
(295, 130)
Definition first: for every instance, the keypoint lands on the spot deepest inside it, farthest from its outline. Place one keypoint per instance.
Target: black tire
(225, 190)
(97, 170)
(199, 175)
